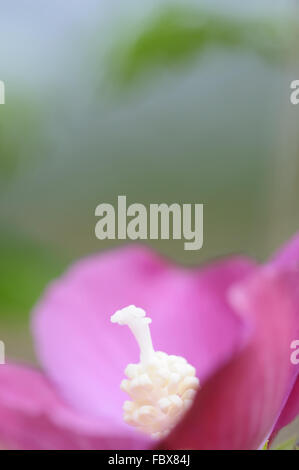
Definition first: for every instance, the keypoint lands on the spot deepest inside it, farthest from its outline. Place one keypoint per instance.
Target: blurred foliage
(288, 437)
(288, 445)
(266, 445)
(20, 135)
(25, 270)
(24, 267)
(177, 33)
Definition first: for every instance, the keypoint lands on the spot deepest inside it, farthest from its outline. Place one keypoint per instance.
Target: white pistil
(135, 318)
(161, 386)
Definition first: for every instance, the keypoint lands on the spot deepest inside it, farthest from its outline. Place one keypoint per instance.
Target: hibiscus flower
(233, 320)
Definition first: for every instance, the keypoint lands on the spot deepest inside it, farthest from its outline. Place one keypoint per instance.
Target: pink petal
(85, 354)
(288, 255)
(290, 411)
(238, 407)
(32, 416)
(288, 258)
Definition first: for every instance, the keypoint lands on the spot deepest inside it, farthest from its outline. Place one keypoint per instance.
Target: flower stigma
(161, 386)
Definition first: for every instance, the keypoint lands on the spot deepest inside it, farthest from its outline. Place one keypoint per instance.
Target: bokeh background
(162, 101)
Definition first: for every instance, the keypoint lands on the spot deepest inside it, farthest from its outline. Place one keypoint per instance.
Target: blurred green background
(158, 100)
